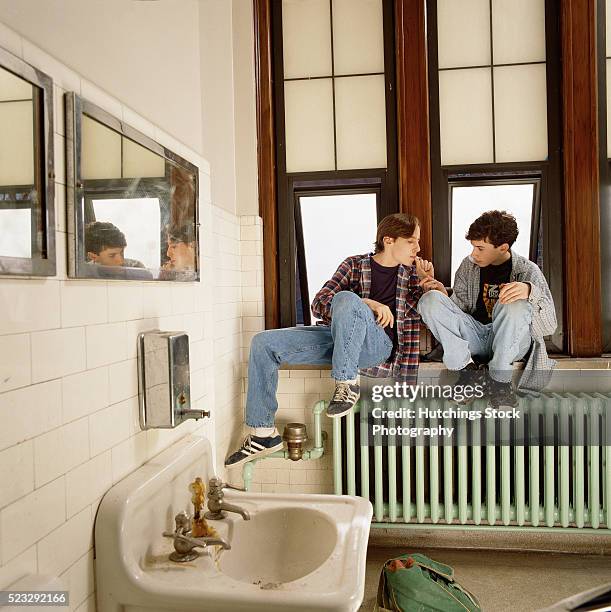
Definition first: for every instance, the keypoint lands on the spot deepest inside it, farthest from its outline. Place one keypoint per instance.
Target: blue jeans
(503, 341)
(353, 340)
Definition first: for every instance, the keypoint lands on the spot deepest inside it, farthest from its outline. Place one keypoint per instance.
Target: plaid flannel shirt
(354, 274)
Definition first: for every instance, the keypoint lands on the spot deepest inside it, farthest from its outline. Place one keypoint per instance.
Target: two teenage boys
(371, 309)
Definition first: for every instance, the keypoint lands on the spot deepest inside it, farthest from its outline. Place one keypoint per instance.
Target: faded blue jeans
(503, 341)
(353, 340)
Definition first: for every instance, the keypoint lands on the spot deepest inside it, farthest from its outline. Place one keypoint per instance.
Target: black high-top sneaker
(471, 375)
(502, 394)
(346, 394)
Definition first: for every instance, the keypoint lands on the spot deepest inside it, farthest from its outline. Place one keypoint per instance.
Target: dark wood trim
(413, 117)
(605, 174)
(266, 157)
(581, 178)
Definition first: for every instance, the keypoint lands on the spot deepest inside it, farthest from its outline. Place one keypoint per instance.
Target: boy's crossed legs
(353, 340)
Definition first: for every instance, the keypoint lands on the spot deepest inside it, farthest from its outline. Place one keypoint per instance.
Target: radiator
(491, 484)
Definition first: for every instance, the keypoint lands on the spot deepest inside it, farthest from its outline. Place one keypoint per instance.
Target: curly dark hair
(100, 235)
(496, 226)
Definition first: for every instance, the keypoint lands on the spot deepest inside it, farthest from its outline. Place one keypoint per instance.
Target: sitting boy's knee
(519, 308)
(345, 298)
(430, 301)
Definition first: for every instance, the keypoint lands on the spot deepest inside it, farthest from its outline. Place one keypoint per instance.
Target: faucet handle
(215, 485)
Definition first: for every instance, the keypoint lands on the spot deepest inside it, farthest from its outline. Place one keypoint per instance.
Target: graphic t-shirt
(384, 290)
(490, 280)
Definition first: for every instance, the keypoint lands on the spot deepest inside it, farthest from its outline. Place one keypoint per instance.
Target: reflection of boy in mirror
(105, 245)
(181, 248)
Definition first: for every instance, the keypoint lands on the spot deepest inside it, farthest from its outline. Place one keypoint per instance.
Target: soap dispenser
(164, 380)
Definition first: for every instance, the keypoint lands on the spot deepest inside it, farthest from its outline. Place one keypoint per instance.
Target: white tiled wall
(68, 382)
(298, 390)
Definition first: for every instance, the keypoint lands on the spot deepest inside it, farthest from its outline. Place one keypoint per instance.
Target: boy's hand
(428, 284)
(424, 268)
(512, 292)
(382, 312)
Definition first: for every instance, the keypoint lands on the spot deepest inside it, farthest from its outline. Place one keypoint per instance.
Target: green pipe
(594, 465)
(548, 483)
(337, 456)
(350, 463)
(579, 495)
(406, 476)
(505, 473)
(495, 528)
(316, 452)
(377, 462)
(607, 471)
(495, 513)
(392, 469)
(447, 475)
(364, 462)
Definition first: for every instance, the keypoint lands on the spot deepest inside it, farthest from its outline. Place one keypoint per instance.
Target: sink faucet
(217, 508)
(185, 544)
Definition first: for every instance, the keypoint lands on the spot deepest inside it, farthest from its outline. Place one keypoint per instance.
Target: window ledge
(564, 363)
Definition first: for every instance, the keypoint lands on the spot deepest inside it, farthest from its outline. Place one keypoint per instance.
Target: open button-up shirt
(354, 274)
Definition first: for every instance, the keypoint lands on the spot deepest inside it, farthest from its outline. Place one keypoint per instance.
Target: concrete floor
(505, 581)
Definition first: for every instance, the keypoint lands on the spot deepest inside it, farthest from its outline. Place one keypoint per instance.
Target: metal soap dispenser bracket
(164, 391)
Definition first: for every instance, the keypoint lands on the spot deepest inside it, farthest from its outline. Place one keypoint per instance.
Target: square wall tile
(15, 362)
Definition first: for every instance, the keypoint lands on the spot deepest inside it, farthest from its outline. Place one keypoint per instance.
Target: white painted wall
(68, 386)
(144, 53)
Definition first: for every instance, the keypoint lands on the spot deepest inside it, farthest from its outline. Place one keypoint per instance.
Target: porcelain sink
(298, 552)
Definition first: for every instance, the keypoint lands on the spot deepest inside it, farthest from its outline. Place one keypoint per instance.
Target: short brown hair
(496, 226)
(399, 225)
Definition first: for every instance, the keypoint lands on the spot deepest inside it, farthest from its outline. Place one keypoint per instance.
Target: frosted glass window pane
(13, 88)
(16, 234)
(139, 162)
(308, 109)
(321, 216)
(465, 116)
(139, 219)
(463, 30)
(358, 36)
(518, 31)
(468, 203)
(360, 115)
(101, 151)
(306, 38)
(16, 143)
(520, 113)
(608, 109)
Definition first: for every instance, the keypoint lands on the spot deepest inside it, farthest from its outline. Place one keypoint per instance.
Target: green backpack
(415, 583)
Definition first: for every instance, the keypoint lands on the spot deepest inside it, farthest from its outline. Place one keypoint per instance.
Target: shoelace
(247, 442)
(342, 392)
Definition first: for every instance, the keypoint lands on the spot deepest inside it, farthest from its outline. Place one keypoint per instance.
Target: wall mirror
(132, 204)
(27, 181)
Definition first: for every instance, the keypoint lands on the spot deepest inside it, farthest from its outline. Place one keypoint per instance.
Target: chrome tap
(217, 508)
(185, 544)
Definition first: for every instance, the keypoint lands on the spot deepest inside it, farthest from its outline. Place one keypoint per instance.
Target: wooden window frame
(578, 149)
(288, 183)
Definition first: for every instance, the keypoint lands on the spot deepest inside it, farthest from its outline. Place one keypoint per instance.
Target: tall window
(336, 138)
(605, 168)
(494, 78)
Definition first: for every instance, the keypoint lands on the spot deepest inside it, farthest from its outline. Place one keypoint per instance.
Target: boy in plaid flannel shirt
(369, 322)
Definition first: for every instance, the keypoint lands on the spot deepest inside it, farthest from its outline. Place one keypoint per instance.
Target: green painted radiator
(491, 484)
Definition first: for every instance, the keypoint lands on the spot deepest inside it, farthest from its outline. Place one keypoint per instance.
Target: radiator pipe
(316, 452)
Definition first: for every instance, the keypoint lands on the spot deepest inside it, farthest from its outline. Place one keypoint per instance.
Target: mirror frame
(44, 262)
(78, 267)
